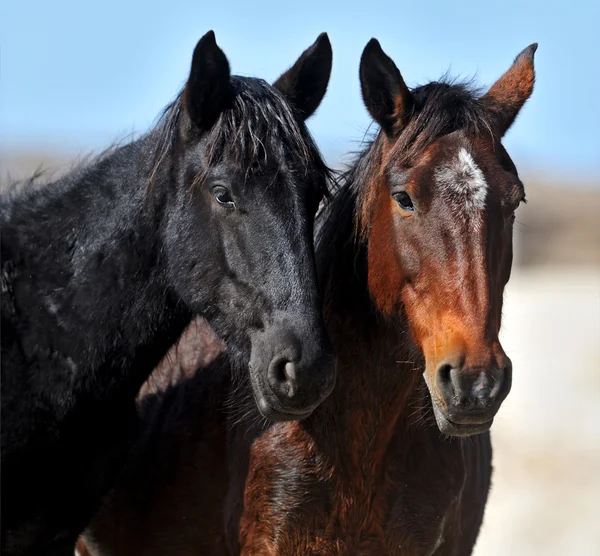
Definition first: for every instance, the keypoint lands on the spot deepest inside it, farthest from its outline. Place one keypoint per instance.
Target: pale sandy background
(546, 438)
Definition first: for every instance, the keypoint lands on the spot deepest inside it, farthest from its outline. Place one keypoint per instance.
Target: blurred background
(75, 76)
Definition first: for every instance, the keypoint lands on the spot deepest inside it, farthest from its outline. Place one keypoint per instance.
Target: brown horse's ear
(305, 83)
(507, 96)
(208, 89)
(384, 92)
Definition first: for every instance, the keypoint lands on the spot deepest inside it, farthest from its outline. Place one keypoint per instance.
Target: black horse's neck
(84, 267)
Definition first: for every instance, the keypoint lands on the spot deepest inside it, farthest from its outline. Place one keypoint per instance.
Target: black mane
(258, 116)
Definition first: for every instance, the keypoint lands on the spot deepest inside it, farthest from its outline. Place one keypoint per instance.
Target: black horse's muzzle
(291, 369)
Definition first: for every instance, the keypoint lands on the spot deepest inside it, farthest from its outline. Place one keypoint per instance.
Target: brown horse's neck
(379, 386)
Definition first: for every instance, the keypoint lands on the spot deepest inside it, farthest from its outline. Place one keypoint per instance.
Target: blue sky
(75, 75)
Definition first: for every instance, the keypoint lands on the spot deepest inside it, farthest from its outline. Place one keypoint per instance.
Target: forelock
(259, 119)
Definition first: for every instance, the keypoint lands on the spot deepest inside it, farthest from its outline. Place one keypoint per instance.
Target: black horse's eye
(223, 196)
(404, 200)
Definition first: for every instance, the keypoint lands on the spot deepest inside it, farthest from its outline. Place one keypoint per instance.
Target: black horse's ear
(384, 92)
(507, 96)
(208, 89)
(305, 83)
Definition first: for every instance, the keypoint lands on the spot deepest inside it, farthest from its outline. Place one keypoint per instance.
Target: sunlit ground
(546, 484)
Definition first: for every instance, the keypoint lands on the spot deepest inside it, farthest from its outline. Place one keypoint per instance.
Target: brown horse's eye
(404, 200)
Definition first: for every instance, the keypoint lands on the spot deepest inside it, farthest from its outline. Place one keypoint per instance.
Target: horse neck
(378, 389)
(89, 273)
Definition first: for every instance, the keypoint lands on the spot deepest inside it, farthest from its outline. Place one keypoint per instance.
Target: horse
(210, 213)
(414, 249)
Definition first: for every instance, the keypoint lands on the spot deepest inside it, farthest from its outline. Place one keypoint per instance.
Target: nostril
(444, 383)
(282, 375)
(279, 370)
(444, 374)
(289, 372)
(503, 382)
(465, 402)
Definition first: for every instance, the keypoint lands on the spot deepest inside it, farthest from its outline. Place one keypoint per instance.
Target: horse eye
(404, 200)
(223, 196)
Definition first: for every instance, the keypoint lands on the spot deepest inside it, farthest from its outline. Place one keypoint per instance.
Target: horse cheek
(385, 276)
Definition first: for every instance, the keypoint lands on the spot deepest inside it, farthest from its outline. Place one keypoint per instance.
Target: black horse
(211, 213)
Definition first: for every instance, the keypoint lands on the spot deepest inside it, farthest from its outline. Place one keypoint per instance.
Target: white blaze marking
(464, 181)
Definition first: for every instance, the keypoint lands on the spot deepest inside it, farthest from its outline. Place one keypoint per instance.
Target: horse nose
(282, 375)
(301, 380)
(291, 369)
(473, 390)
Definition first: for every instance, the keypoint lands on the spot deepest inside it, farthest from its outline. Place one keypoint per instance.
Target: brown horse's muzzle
(467, 397)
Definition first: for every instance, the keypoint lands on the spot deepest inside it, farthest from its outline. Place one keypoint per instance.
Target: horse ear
(384, 92)
(507, 96)
(208, 88)
(305, 83)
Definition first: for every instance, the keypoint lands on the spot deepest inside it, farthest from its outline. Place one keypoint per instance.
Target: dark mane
(259, 115)
(441, 107)
(14, 188)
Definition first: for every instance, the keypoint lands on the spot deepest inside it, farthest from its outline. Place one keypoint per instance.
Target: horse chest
(423, 504)
(296, 506)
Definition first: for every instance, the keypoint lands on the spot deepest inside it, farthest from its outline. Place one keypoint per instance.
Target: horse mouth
(274, 412)
(451, 428)
(278, 414)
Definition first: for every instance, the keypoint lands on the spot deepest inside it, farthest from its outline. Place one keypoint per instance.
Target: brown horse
(414, 251)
